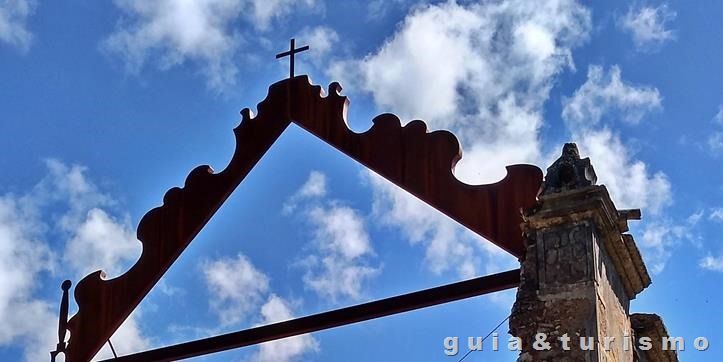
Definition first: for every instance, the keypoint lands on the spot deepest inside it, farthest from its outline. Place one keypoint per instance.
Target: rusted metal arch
(418, 161)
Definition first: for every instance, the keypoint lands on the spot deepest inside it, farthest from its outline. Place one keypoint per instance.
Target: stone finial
(569, 172)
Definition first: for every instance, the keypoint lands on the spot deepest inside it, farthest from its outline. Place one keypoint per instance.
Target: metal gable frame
(418, 161)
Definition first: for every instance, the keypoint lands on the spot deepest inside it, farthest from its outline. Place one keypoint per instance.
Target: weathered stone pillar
(580, 270)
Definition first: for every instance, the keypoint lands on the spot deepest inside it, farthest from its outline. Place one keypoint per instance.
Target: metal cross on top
(290, 53)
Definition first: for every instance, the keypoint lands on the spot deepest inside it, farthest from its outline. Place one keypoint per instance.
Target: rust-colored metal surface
(418, 161)
(335, 318)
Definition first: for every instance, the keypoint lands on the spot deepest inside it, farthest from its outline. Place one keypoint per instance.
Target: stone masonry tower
(580, 270)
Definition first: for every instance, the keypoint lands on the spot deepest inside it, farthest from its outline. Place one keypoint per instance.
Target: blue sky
(106, 105)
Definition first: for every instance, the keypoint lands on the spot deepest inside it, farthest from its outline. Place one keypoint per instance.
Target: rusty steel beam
(339, 317)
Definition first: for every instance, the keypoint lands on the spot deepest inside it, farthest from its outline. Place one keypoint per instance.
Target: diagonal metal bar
(339, 317)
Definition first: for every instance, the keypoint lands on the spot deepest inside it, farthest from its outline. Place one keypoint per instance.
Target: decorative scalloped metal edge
(411, 157)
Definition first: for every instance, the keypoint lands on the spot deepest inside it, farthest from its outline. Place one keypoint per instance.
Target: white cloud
(338, 263)
(479, 69)
(716, 214)
(715, 139)
(69, 185)
(174, 32)
(632, 186)
(171, 33)
(127, 339)
(629, 181)
(321, 40)
(264, 11)
(65, 209)
(659, 237)
(661, 234)
(712, 263)
(13, 27)
(96, 240)
(606, 94)
(24, 256)
(338, 269)
(275, 310)
(169, 290)
(238, 291)
(236, 287)
(695, 217)
(483, 71)
(648, 26)
(378, 9)
(101, 242)
(590, 114)
(718, 118)
(315, 186)
(715, 142)
(340, 230)
(448, 246)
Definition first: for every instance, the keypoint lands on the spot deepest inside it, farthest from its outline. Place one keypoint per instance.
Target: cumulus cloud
(647, 25)
(96, 239)
(606, 94)
(13, 27)
(695, 217)
(591, 114)
(629, 181)
(170, 33)
(448, 246)
(338, 265)
(24, 256)
(241, 292)
(657, 241)
(712, 263)
(237, 287)
(661, 234)
(320, 39)
(715, 142)
(338, 269)
(632, 185)
(264, 11)
(173, 32)
(341, 231)
(716, 214)
(101, 242)
(483, 71)
(315, 186)
(66, 210)
(276, 309)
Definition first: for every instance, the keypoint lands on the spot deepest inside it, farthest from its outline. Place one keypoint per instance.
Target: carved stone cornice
(594, 203)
